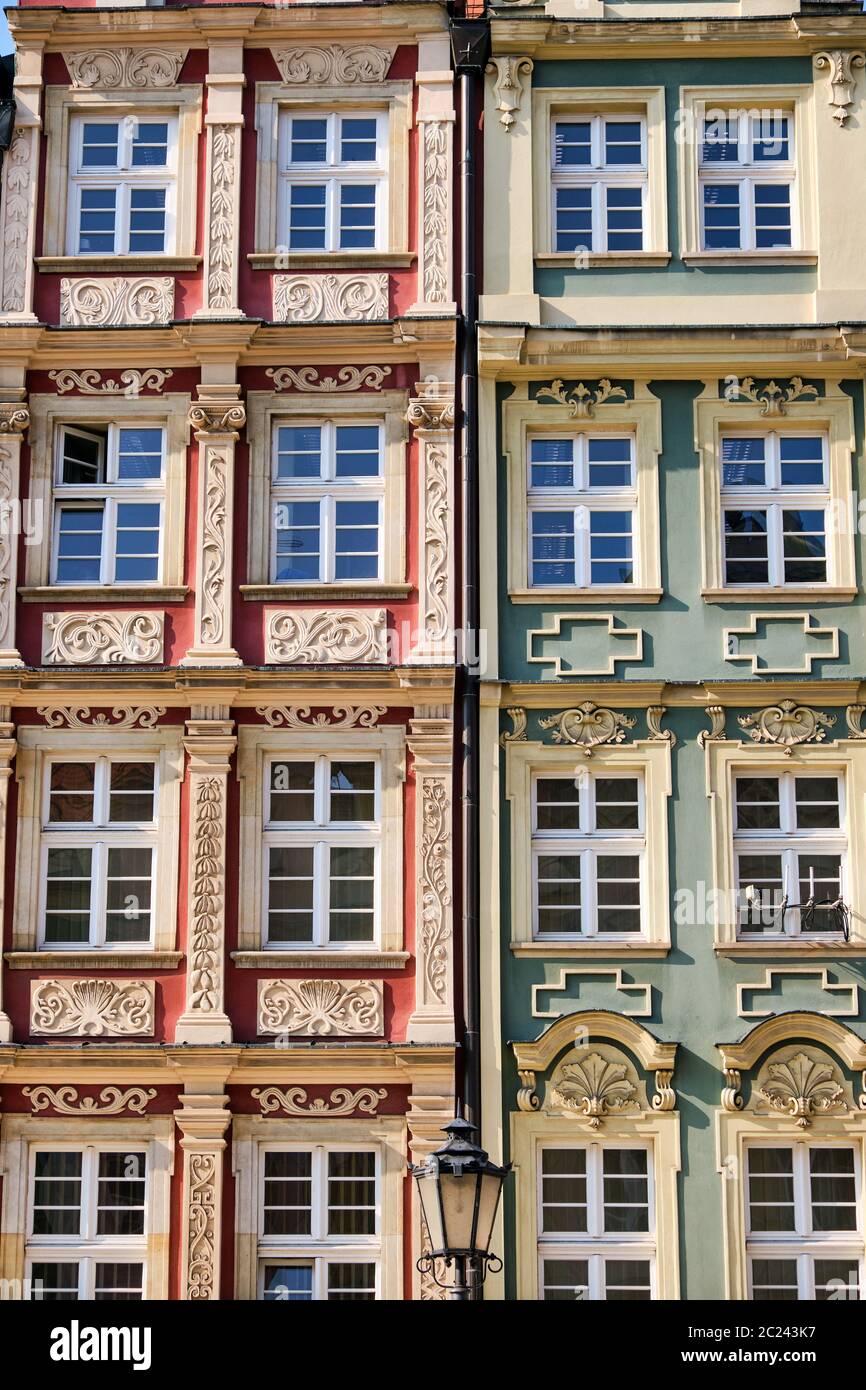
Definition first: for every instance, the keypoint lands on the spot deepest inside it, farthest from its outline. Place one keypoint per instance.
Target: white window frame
(788, 842)
(803, 1244)
(86, 1248)
(747, 173)
(599, 177)
(319, 1248)
(595, 1246)
(588, 844)
(333, 174)
(583, 500)
(99, 836)
(327, 491)
(774, 499)
(108, 494)
(323, 834)
(123, 178)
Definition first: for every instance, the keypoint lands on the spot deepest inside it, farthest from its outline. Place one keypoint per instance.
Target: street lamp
(459, 1190)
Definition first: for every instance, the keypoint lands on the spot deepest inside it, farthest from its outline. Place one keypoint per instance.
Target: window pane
(557, 803)
(99, 142)
(627, 1281)
(292, 791)
(558, 894)
(290, 894)
(352, 791)
(833, 1189)
(609, 462)
(770, 139)
(817, 801)
(743, 462)
(70, 794)
(123, 1282)
(308, 141)
(572, 144)
(757, 803)
(351, 1194)
(357, 451)
(352, 890)
(772, 215)
(128, 894)
(97, 221)
(120, 1194)
(358, 140)
(805, 547)
(299, 451)
(288, 1283)
(802, 461)
(150, 145)
(553, 547)
(288, 1195)
(746, 554)
(67, 896)
(610, 548)
(761, 893)
(551, 463)
(57, 1194)
(574, 219)
(721, 216)
(83, 457)
(307, 217)
(79, 545)
(130, 795)
(356, 540)
(147, 219)
(771, 1190)
(721, 141)
(622, 142)
(563, 1190)
(351, 1281)
(820, 879)
(137, 543)
(357, 215)
(298, 541)
(565, 1280)
(616, 803)
(774, 1279)
(139, 454)
(837, 1279)
(624, 219)
(618, 891)
(54, 1282)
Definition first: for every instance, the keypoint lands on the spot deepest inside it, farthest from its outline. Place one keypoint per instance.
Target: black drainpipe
(470, 43)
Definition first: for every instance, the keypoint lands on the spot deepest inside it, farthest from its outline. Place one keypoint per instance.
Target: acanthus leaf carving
(436, 194)
(213, 547)
(320, 1007)
(206, 899)
(716, 732)
(436, 615)
(594, 1087)
(95, 302)
(347, 378)
(18, 173)
(221, 217)
(340, 717)
(110, 1101)
(334, 64)
(772, 398)
(342, 1101)
(122, 717)
(90, 382)
(508, 87)
(787, 724)
(588, 726)
(125, 67)
(435, 895)
(102, 639)
(330, 298)
(517, 715)
(91, 1008)
(201, 1208)
(654, 716)
(853, 718)
(580, 400)
(803, 1087)
(320, 636)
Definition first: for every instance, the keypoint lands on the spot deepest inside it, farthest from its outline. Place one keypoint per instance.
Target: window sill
(68, 265)
(626, 259)
(795, 594)
(93, 960)
(737, 258)
(329, 260)
(95, 593)
(825, 950)
(569, 950)
(268, 593)
(621, 597)
(319, 960)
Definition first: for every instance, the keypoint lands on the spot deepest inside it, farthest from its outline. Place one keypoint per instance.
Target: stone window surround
(184, 101)
(386, 1134)
(35, 747)
(649, 759)
(272, 100)
(832, 415)
(798, 100)
(641, 417)
(49, 411)
(23, 1133)
(728, 758)
(264, 410)
(548, 103)
(257, 745)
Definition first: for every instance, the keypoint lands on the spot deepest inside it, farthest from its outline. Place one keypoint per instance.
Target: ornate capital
(431, 409)
(217, 417)
(508, 87)
(841, 63)
(14, 419)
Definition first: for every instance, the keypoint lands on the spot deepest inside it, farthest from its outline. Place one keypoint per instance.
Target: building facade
(671, 457)
(228, 605)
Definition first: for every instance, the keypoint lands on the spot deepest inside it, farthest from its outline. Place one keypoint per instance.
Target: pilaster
(210, 743)
(20, 185)
(431, 415)
(225, 83)
(216, 417)
(14, 420)
(431, 745)
(436, 217)
(8, 748)
(203, 1123)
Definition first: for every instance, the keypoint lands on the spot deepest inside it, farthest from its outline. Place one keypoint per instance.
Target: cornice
(682, 695)
(549, 38)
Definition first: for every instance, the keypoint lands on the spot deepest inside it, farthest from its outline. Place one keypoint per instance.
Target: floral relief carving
(594, 1087)
(437, 135)
(518, 729)
(436, 615)
(102, 639)
(17, 173)
(121, 299)
(92, 1008)
(716, 731)
(110, 1101)
(206, 905)
(654, 716)
(91, 382)
(435, 895)
(224, 139)
(587, 726)
(347, 378)
(320, 1007)
(125, 67)
(340, 717)
(317, 636)
(314, 298)
(787, 724)
(201, 1211)
(7, 554)
(841, 63)
(508, 87)
(122, 717)
(337, 64)
(803, 1087)
(580, 400)
(853, 718)
(342, 1101)
(213, 548)
(772, 399)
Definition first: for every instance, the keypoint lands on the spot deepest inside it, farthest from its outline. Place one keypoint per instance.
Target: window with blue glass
(123, 182)
(327, 492)
(581, 510)
(333, 181)
(775, 495)
(319, 1224)
(599, 178)
(108, 499)
(747, 178)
